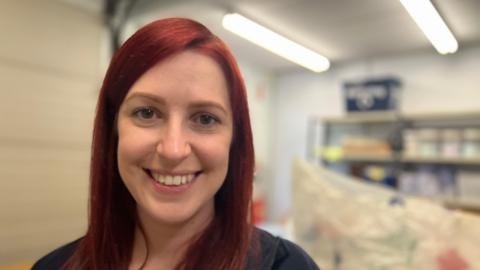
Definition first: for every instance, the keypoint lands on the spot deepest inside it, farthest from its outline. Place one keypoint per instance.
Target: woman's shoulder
(55, 259)
(281, 254)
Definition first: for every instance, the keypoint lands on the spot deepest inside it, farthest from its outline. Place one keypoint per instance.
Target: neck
(165, 244)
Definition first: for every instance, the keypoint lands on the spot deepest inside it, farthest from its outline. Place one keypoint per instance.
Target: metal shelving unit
(411, 159)
(391, 124)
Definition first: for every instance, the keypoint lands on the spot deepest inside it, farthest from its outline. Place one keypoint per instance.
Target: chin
(178, 215)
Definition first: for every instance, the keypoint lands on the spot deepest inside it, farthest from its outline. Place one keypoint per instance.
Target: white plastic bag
(347, 224)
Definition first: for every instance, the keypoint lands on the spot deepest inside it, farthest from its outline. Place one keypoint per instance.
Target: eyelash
(197, 118)
(136, 113)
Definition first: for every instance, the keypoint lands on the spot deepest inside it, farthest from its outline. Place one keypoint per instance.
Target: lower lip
(172, 189)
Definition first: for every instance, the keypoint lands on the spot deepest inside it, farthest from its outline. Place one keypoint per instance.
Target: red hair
(108, 242)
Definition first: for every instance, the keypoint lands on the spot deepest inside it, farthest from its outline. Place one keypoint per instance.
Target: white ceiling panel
(342, 30)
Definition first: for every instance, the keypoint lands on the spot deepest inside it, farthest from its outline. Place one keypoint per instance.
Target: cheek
(133, 146)
(214, 154)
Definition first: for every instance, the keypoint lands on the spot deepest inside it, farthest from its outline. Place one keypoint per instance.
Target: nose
(174, 145)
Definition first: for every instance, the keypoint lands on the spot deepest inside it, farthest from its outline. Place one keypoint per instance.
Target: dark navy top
(276, 254)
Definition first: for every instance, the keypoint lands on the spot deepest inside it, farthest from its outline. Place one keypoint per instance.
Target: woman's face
(175, 130)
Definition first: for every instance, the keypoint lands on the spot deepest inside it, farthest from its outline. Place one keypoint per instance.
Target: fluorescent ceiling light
(432, 25)
(275, 43)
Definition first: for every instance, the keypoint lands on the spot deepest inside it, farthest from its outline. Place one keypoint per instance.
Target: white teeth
(177, 180)
(173, 180)
(160, 178)
(169, 180)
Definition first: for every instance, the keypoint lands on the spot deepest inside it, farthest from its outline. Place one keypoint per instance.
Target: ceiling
(341, 30)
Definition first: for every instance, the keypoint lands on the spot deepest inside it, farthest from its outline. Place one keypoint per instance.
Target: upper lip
(173, 173)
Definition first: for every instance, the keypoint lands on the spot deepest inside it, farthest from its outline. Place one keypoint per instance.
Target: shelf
(389, 127)
(454, 203)
(363, 117)
(367, 158)
(383, 117)
(467, 205)
(453, 161)
(379, 158)
(441, 116)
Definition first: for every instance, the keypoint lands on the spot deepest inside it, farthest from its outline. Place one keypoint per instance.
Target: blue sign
(372, 95)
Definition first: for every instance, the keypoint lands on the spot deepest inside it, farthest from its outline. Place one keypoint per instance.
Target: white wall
(50, 75)
(432, 83)
(258, 84)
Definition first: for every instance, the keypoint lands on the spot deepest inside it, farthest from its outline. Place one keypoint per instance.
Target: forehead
(190, 72)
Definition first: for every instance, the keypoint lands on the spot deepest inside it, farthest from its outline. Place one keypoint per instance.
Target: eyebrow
(160, 100)
(157, 99)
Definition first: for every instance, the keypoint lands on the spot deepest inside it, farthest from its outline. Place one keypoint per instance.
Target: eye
(205, 119)
(144, 113)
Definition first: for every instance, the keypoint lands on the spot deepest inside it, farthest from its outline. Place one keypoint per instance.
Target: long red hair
(112, 212)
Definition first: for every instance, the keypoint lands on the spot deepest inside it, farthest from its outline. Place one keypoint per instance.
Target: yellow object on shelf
(375, 173)
(332, 154)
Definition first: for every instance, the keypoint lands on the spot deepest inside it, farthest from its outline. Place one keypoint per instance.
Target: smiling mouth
(172, 179)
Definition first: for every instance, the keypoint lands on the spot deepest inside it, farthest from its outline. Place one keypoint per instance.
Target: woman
(172, 162)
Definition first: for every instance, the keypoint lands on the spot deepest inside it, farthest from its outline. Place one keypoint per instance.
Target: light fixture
(275, 43)
(427, 18)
